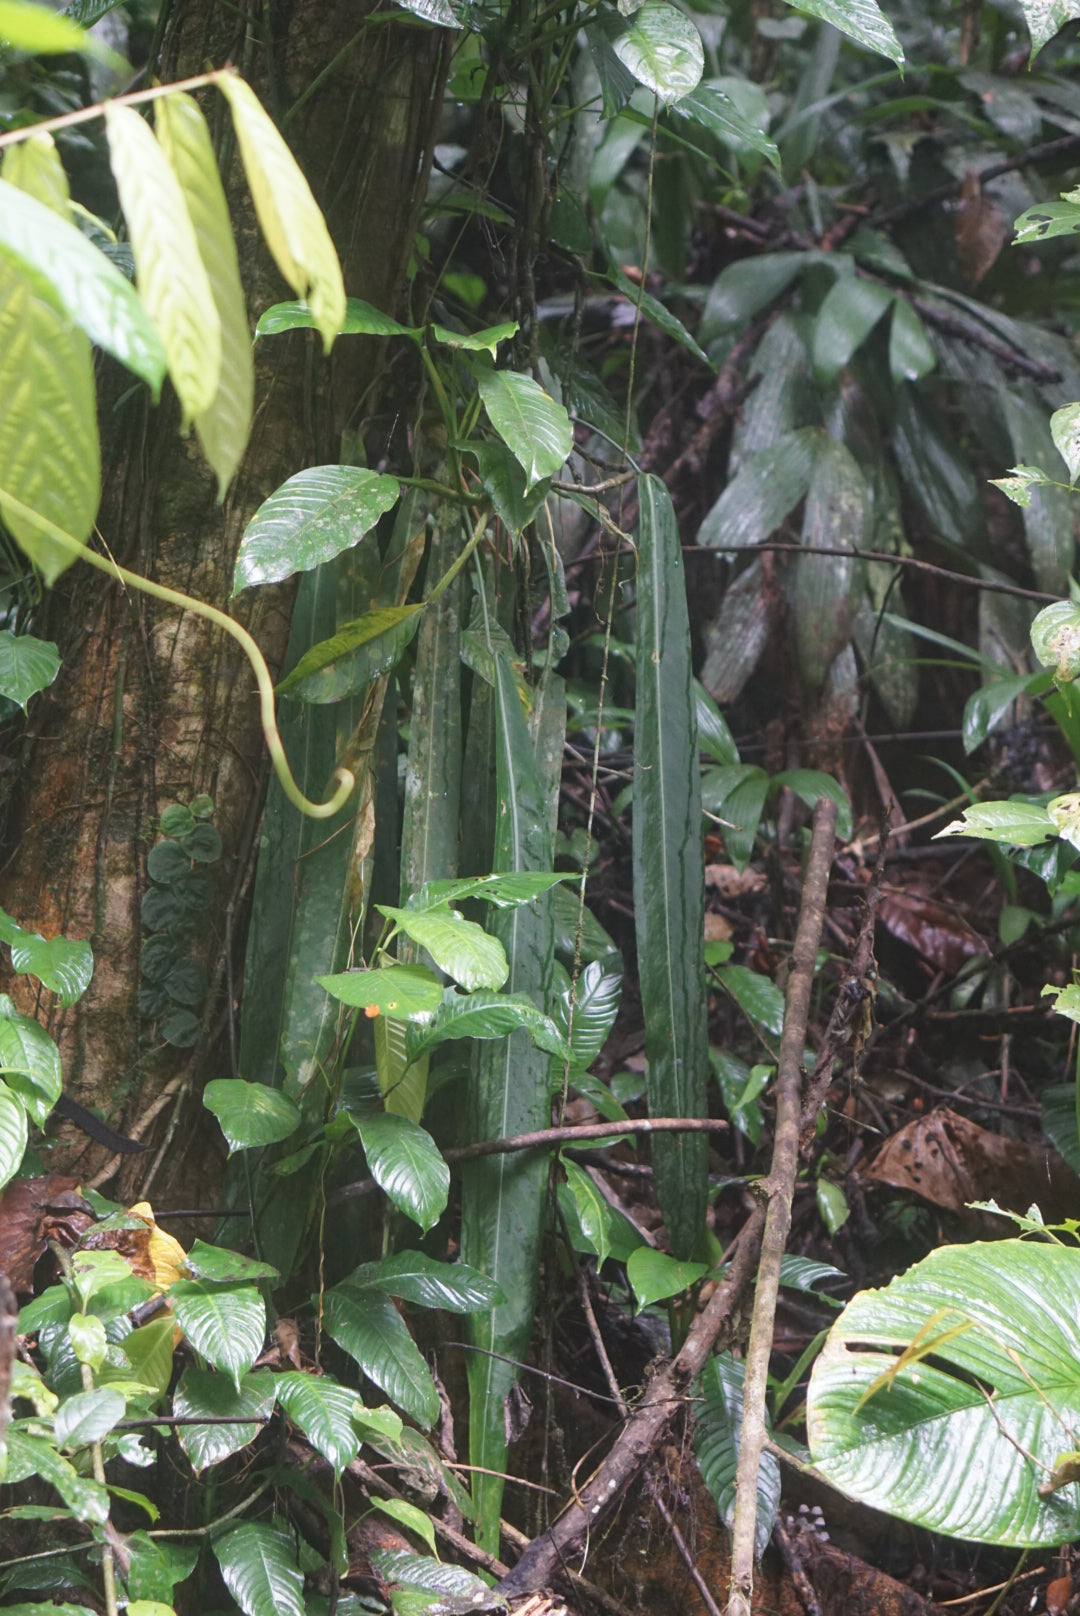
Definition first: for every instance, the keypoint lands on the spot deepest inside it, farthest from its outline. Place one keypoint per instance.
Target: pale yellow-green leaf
(403, 1087)
(224, 426)
(50, 460)
(169, 272)
(291, 221)
(34, 166)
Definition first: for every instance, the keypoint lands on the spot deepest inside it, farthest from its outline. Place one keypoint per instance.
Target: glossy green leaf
(502, 477)
(710, 108)
(986, 707)
(361, 319)
(660, 315)
(911, 354)
(811, 784)
(718, 1420)
(1020, 824)
(831, 1204)
(370, 1329)
(258, 1566)
(418, 1278)
(846, 318)
(803, 1273)
(226, 1324)
(170, 273)
(823, 589)
(766, 489)
(534, 428)
(593, 1211)
(202, 1392)
(486, 341)
(405, 1163)
(310, 519)
(37, 1456)
(938, 480)
(489, 1015)
(745, 288)
(156, 1567)
(663, 50)
(95, 1271)
(13, 1134)
(861, 20)
(359, 652)
(595, 1004)
(41, 30)
(962, 1435)
(204, 1261)
(403, 991)
(503, 1196)
(323, 1411)
(291, 222)
(49, 451)
(1045, 18)
(669, 877)
(250, 1113)
(461, 1590)
(1046, 220)
(1047, 509)
(1017, 486)
(61, 964)
(88, 1339)
(149, 1351)
(80, 283)
(88, 1417)
(757, 997)
(458, 946)
(224, 425)
(655, 1276)
(1065, 430)
(504, 891)
(735, 798)
(27, 665)
(714, 737)
(1055, 639)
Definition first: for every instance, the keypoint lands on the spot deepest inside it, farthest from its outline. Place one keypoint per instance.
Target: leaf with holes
(310, 519)
(1020, 823)
(323, 1410)
(294, 228)
(534, 428)
(223, 426)
(27, 665)
(169, 271)
(663, 50)
(405, 1162)
(1065, 430)
(250, 1113)
(370, 1329)
(458, 946)
(225, 1323)
(258, 1566)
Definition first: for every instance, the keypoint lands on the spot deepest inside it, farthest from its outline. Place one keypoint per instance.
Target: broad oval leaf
(711, 108)
(458, 946)
(35, 1456)
(202, 1392)
(488, 1015)
(361, 319)
(1065, 430)
(757, 996)
(88, 1417)
(1021, 824)
(534, 428)
(911, 354)
(61, 964)
(250, 1113)
(258, 1565)
(225, 1323)
(214, 1262)
(370, 1329)
(223, 426)
(504, 891)
(403, 991)
(294, 228)
(663, 50)
(418, 1278)
(586, 1021)
(27, 665)
(1046, 220)
(851, 310)
(946, 1398)
(169, 271)
(593, 1211)
(655, 1276)
(41, 30)
(323, 1410)
(350, 659)
(1045, 18)
(13, 1134)
(861, 20)
(310, 519)
(405, 1163)
(81, 283)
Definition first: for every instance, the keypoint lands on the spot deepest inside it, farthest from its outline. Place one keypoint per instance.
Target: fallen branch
(593, 1504)
(569, 1136)
(780, 1187)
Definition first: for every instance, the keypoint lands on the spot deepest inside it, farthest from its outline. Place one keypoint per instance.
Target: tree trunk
(154, 706)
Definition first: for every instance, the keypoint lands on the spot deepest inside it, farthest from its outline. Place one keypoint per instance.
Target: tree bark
(154, 706)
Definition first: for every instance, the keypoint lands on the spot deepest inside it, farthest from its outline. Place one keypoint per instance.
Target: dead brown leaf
(981, 230)
(938, 934)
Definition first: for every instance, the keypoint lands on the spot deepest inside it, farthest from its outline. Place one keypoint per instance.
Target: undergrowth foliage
(416, 963)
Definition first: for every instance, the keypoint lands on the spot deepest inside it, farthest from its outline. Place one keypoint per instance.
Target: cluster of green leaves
(173, 981)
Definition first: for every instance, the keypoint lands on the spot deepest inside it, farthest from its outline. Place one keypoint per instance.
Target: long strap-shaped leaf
(503, 1199)
(669, 872)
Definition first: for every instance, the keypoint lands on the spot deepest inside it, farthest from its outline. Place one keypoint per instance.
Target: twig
(989, 586)
(797, 1572)
(982, 339)
(644, 1430)
(856, 991)
(944, 193)
(780, 1187)
(568, 1136)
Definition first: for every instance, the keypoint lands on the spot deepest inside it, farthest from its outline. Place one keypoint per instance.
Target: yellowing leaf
(224, 426)
(166, 1253)
(34, 166)
(49, 452)
(294, 228)
(169, 272)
